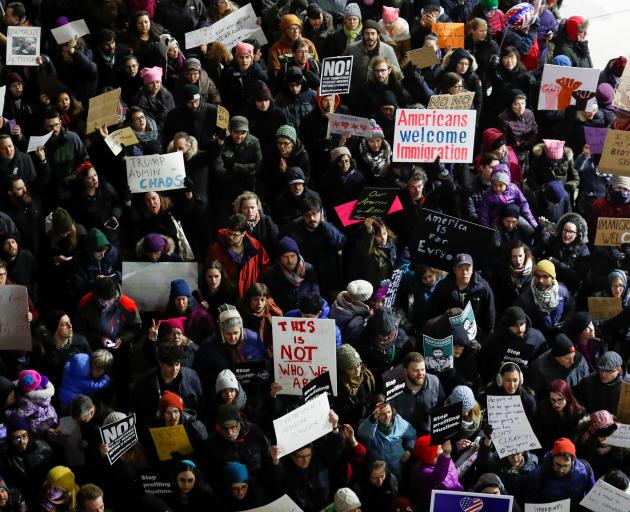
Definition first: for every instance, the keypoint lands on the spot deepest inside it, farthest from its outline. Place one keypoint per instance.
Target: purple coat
(492, 203)
(36, 408)
(441, 476)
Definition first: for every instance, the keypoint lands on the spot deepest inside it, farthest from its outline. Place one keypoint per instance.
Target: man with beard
(193, 116)
(25, 212)
(108, 58)
(21, 264)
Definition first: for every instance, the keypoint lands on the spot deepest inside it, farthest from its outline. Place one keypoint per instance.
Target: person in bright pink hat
(395, 32)
(34, 402)
(154, 98)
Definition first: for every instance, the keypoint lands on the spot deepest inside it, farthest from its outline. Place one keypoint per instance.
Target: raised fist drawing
(567, 86)
(550, 92)
(581, 98)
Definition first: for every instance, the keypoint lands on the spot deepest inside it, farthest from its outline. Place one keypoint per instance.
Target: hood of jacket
(452, 58)
(580, 224)
(79, 366)
(40, 395)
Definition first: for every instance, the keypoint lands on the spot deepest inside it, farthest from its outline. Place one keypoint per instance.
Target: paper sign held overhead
(38, 141)
(15, 329)
(120, 437)
(621, 436)
(320, 384)
(622, 92)
(343, 124)
(169, 440)
(562, 86)
(336, 74)
(374, 203)
(446, 422)
(69, 31)
(392, 289)
(23, 45)
(394, 382)
(344, 211)
(423, 57)
(612, 232)
(120, 138)
(595, 138)
(604, 497)
(252, 372)
(511, 432)
(449, 34)
(438, 354)
(155, 172)
(103, 110)
(467, 320)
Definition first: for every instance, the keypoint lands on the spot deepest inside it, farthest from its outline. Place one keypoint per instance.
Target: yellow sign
(616, 153)
(223, 117)
(603, 308)
(449, 34)
(169, 440)
(461, 101)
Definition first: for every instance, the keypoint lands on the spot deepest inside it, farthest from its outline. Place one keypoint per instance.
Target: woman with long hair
(143, 37)
(257, 308)
(214, 289)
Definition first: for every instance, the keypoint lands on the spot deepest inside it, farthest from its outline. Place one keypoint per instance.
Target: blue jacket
(295, 313)
(77, 379)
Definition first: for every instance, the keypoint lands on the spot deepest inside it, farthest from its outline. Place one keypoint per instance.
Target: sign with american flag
(453, 501)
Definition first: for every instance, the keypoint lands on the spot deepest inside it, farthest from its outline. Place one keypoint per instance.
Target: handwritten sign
(303, 348)
(461, 101)
(621, 436)
(336, 74)
(169, 440)
(616, 153)
(38, 141)
(303, 425)
(422, 135)
(119, 437)
(103, 110)
(622, 92)
(352, 125)
(156, 172)
(603, 308)
(446, 422)
(374, 203)
(454, 501)
(438, 354)
(449, 34)
(119, 138)
(283, 504)
(423, 57)
(394, 382)
(562, 86)
(467, 320)
(556, 506)
(623, 406)
(511, 432)
(69, 31)
(320, 384)
(604, 497)
(223, 117)
(15, 330)
(612, 231)
(23, 45)
(392, 289)
(595, 138)
(344, 211)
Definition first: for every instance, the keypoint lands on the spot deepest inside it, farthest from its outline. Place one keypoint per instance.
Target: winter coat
(488, 138)
(295, 313)
(482, 51)
(362, 59)
(283, 46)
(263, 125)
(527, 397)
(595, 395)
(94, 211)
(157, 106)
(493, 202)
(27, 470)
(376, 263)
(606, 76)
(470, 79)
(521, 131)
(459, 11)
(351, 323)
(503, 81)
(546, 369)
(20, 165)
(77, 379)
(287, 207)
(36, 408)
(513, 479)
(237, 166)
(295, 107)
(179, 17)
(578, 52)
(266, 232)
(237, 87)
(550, 426)
(50, 360)
(415, 408)
(200, 123)
(285, 293)
(551, 322)
(542, 170)
(441, 475)
(274, 178)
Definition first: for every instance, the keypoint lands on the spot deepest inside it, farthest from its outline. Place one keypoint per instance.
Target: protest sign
(595, 138)
(422, 135)
(393, 382)
(423, 57)
(616, 153)
(169, 440)
(156, 481)
(69, 31)
(119, 437)
(23, 45)
(603, 308)
(320, 384)
(352, 125)
(38, 141)
(562, 86)
(394, 284)
(467, 320)
(303, 425)
(454, 501)
(15, 329)
(103, 110)
(223, 117)
(612, 231)
(622, 91)
(519, 353)
(438, 354)
(345, 211)
(119, 138)
(336, 74)
(3, 93)
(149, 284)
(449, 34)
(251, 372)
(460, 101)
(621, 436)
(303, 348)
(623, 406)
(604, 497)
(155, 172)
(556, 506)
(442, 237)
(511, 431)
(283, 504)
(445, 422)
(374, 203)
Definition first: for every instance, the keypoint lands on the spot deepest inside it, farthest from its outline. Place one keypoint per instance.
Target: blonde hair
(101, 359)
(247, 196)
(475, 24)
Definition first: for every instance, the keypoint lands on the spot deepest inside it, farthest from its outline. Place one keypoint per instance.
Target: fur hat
(225, 380)
(153, 74)
(360, 290)
(423, 451)
(170, 399)
(563, 446)
(346, 500)
(547, 267)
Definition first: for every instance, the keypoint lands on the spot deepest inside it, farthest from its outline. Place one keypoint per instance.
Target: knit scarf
(546, 300)
(149, 134)
(375, 161)
(385, 429)
(352, 385)
(351, 35)
(296, 276)
(519, 275)
(251, 224)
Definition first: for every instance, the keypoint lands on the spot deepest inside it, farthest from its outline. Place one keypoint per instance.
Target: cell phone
(110, 344)
(12, 124)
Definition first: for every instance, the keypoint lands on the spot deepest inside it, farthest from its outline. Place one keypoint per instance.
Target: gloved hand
(188, 183)
(568, 86)
(487, 430)
(494, 60)
(582, 98)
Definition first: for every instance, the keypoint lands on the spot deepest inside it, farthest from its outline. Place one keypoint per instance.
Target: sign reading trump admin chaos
(303, 348)
(155, 172)
(423, 135)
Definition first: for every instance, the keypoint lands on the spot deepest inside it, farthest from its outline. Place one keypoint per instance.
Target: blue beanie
(180, 288)
(15, 422)
(287, 244)
(562, 60)
(235, 473)
(464, 395)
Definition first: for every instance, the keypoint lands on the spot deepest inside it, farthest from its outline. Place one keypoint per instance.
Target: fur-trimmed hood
(539, 150)
(580, 223)
(451, 58)
(40, 395)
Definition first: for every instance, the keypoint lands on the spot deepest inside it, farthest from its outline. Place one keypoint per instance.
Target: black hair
(169, 353)
(311, 203)
(237, 222)
(617, 479)
(310, 304)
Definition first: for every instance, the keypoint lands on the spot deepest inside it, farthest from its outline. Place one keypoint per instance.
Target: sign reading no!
(336, 74)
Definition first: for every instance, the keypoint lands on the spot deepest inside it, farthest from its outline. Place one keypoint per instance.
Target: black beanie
(562, 346)
(52, 321)
(513, 316)
(510, 210)
(577, 324)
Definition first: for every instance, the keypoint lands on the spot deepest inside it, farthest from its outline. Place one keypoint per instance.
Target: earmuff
(499, 379)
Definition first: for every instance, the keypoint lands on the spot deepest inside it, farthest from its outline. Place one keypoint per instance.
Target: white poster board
(120, 437)
(303, 425)
(15, 329)
(3, 93)
(562, 86)
(511, 431)
(303, 348)
(69, 31)
(556, 506)
(621, 436)
(155, 172)
(282, 504)
(38, 141)
(23, 45)
(343, 124)
(604, 497)
(149, 284)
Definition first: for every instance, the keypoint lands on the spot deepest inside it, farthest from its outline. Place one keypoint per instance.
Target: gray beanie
(347, 357)
(464, 395)
(360, 290)
(352, 10)
(489, 479)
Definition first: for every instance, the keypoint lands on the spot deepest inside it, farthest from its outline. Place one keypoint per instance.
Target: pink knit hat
(149, 75)
(390, 14)
(244, 49)
(554, 149)
(168, 324)
(29, 380)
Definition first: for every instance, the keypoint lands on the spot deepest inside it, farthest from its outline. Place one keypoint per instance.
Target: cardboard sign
(442, 237)
(612, 232)
(449, 34)
(23, 45)
(423, 57)
(603, 308)
(438, 354)
(149, 284)
(156, 481)
(320, 384)
(15, 329)
(467, 320)
(616, 153)
(38, 141)
(120, 437)
(422, 135)
(344, 211)
(595, 138)
(604, 497)
(283, 504)
(446, 422)
(455, 501)
(623, 407)
(556, 506)
(103, 110)
(223, 117)
(621, 436)
(374, 203)
(119, 138)
(69, 31)
(251, 372)
(155, 172)
(392, 289)
(622, 92)
(303, 348)
(336, 74)
(303, 425)
(460, 101)
(562, 86)
(169, 440)
(394, 382)
(519, 353)
(343, 124)
(511, 431)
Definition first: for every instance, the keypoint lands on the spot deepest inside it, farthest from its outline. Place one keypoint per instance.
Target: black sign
(320, 384)
(374, 203)
(119, 437)
(393, 382)
(519, 353)
(445, 422)
(156, 481)
(392, 289)
(336, 74)
(442, 237)
(251, 372)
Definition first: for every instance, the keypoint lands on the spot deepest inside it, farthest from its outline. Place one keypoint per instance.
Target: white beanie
(346, 500)
(225, 380)
(113, 417)
(166, 42)
(360, 290)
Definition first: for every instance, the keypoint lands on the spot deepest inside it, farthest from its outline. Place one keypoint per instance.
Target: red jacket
(602, 207)
(245, 273)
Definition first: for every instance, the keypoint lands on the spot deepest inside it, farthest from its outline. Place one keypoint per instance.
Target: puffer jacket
(542, 170)
(77, 379)
(296, 107)
(440, 476)
(521, 130)
(492, 203)
(37, 409)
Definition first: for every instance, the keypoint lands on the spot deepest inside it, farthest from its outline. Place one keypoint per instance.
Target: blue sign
(453, 501)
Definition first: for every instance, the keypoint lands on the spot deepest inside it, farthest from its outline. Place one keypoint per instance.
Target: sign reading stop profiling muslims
(156, 172)
(336, 74)
(453, 501)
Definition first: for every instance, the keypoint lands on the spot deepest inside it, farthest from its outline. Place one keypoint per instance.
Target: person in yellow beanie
(60, 490)
(291, 29)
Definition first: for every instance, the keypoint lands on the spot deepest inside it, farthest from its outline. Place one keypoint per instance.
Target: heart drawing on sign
(345, 124)
(363, 126)
(471, 504)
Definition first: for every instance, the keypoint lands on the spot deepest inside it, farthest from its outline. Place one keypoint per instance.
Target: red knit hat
(619, 64)
(423, 450)
(574, 25)
(170, 399)
(563, 446)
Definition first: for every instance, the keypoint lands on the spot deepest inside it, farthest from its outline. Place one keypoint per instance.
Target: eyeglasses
(557, 400)
(562, 467)
(284, 144)
(138, 118)
(569, 232)
(240, 488)
(385, 70)
(22, 437)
